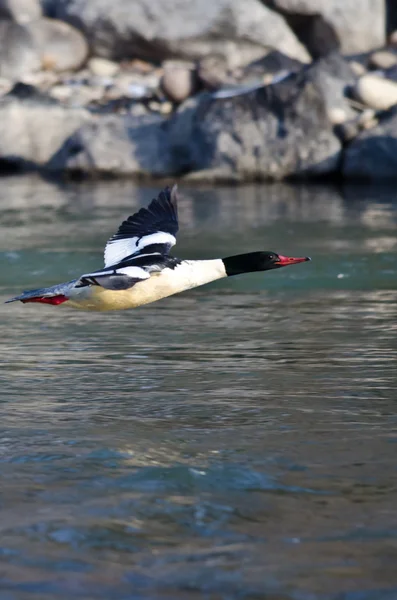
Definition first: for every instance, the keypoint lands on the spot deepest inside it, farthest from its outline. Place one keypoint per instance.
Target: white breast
(187, 275)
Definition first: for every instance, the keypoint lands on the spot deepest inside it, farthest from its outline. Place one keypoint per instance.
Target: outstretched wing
(150, 230)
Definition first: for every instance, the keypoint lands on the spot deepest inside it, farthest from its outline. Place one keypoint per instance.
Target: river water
(237, 441)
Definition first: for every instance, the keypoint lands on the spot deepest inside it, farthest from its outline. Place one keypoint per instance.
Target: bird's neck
(243, 263)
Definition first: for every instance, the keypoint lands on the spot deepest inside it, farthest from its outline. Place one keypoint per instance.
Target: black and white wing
(139, 246)
(150, 230)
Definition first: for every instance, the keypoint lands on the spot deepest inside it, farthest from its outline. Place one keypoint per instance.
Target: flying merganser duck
(139, 269)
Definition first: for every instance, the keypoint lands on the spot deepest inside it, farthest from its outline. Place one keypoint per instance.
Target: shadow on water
(236, 441)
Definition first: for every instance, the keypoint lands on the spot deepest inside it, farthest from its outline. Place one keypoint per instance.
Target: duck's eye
(271, 256)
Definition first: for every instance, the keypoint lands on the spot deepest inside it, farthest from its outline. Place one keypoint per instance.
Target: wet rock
(144, 29)
(33, 127)
(179, 80)
(117, 145)
(373, 153)
(18, 54)
(103, 67)
(376, 92)
(357, 68)
(360, 27)
(20, 11)
(269, 133)
(383, 59)
(60, 45)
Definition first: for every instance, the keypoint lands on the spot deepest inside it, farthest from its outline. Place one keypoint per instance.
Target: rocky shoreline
(218, 91)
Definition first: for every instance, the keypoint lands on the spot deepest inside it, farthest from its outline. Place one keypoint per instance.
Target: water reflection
(236, 441)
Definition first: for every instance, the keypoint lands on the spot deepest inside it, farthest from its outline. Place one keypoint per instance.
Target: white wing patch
(118, 250)
(134, 272)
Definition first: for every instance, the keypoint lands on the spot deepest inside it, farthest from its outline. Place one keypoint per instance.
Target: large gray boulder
(117, 145)
(187, 29)
(359, 24)
(270, 133)
(373, 153)
(32, 127)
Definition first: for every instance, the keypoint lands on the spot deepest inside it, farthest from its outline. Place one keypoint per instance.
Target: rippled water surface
(237, 441)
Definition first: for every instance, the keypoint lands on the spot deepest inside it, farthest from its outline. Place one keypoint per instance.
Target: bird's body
(184, 276)
(139, 270)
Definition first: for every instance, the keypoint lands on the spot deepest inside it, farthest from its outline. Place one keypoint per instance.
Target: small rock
(60, 45)
(337, 115)
(357, 68)
(137, 91)
(376, 92)
(179, 80)
(86, 94)
(382, 59)
(166, 108)
(102, 67)
(61, 92)
(155, 106)
(137, 109)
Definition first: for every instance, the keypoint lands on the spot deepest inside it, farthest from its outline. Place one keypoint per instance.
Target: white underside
(187, 275)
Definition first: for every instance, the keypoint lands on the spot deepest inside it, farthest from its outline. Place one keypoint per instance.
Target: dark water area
(237, 441)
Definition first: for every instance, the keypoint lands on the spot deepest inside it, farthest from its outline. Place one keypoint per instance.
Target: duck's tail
(55, 294)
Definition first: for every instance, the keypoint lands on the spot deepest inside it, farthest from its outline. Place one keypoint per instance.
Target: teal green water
(235, 441)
